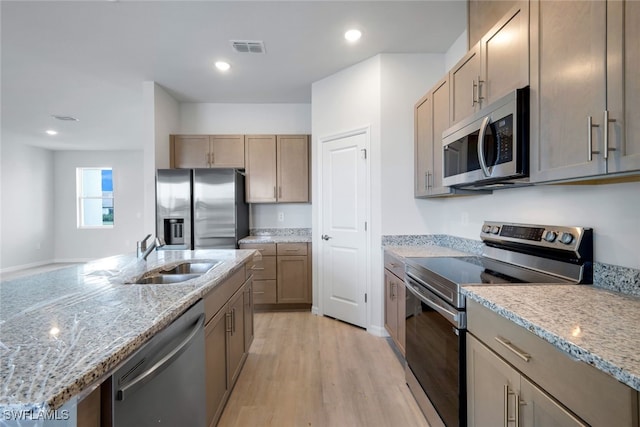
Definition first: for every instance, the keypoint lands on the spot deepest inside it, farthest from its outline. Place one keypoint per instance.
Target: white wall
(73, 244)
(26, 205)
(161, 119)
(404, 80)
(457, 50)
(254, 119)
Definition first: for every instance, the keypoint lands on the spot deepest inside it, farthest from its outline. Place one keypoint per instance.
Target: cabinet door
(190, 151)
(260, 165)
(227, 151)
(423, 128)
(401, 298)
(292, 279)
(483, 15)
(248, 315)
(217, 386)
(623, 85)
(441, 122)
(464, 85)
(492, 387)
(538, 409)
(390, 305)
(293, 168)
(567, 88)
(505, 55)
(235, 335)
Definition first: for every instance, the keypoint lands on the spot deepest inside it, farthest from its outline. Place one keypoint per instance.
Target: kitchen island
(63, 332)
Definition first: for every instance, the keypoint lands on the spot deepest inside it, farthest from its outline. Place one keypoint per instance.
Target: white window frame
(80, 198)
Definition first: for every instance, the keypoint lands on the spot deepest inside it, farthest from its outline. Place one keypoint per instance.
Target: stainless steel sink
(195, 267)
(177, 274)
(163, 279)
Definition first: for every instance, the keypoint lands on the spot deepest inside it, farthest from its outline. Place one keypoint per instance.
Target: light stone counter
(595, 326)
(62, 331)
(277, 239)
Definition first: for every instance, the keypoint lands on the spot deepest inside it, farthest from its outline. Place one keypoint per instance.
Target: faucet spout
(155, 244)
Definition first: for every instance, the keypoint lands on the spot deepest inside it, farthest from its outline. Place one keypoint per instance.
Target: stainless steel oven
(435, 308)
(491, 148)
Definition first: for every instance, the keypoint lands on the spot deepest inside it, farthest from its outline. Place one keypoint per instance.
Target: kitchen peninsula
(62, 333)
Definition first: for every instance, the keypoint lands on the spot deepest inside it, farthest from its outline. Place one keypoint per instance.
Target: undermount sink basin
(197, 267)
(177, 274)
(163, 279)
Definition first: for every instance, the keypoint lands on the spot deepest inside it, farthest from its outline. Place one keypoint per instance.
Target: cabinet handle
(228, 320)
(393, 291)
(590, 127)
(213, 159)
(254, 268)
(480, 97)
(521, 354)
(258, 292)
(607, 120)
(473, 92)
(275, 195)
(516, 418)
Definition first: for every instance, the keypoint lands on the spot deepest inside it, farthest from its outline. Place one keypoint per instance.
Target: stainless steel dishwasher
(163, 382)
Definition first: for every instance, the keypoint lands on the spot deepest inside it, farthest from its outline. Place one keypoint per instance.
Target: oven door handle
(454, 318)
(481, 159)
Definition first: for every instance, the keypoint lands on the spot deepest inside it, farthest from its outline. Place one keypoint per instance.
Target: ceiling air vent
(248, 46)
(65, 118)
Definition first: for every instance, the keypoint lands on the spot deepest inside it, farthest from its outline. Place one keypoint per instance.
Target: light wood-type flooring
(307, 370)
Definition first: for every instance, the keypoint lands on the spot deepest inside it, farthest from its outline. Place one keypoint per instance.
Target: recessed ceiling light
(353, 35)
(222, 66)
(51, 132)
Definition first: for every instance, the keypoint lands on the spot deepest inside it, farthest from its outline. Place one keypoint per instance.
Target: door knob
(325, 237)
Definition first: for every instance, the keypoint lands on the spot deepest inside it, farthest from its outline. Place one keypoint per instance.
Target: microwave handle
(481, 159)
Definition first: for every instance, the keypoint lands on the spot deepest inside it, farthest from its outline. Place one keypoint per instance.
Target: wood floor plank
(306, 370)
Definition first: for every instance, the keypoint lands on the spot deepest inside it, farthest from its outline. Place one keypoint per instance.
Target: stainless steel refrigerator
(201, 208)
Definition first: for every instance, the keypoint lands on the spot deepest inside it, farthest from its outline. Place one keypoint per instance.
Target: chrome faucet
(143, 251)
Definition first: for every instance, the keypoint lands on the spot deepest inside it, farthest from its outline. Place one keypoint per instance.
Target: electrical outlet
(280, 216)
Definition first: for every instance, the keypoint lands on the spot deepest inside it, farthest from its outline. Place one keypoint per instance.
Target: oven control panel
(547, 236)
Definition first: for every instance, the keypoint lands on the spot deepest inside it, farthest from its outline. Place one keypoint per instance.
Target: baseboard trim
(378, 331)
(26, 266)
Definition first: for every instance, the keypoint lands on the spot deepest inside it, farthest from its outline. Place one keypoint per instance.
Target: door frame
(318, 307)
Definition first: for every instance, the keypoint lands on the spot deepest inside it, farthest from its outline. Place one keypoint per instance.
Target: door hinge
(365, 226)
(364, 153)
(365, 298)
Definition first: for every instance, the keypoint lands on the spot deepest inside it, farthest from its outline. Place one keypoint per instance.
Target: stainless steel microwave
(491, 148)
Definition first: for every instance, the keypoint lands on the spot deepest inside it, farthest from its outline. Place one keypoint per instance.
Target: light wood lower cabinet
(281, 274)
(228, 335)
(395, 302)
(517, 378)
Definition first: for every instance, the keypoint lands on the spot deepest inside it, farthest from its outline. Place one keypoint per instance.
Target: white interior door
(344, 235)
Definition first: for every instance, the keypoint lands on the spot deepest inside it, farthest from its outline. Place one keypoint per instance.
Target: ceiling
(88, 59)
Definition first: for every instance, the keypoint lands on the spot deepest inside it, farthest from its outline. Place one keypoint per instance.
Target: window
(95, 197)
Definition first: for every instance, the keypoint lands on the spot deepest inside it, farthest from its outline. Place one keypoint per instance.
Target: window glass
(95, 197)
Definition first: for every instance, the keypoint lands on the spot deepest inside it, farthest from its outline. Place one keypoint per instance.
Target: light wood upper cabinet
(293, 168)
(207, 151)
(568, 89)
(464, 85)
(623, 85)
(277, 168)
(431, 118)
(483, 15)
(496, 65)
(505, 55)
(260, 164)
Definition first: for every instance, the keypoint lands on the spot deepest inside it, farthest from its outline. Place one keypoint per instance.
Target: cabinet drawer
(292, 248)
(263, 248)
(263, 269)
(591, 394)
(394, 265)
(264, 291)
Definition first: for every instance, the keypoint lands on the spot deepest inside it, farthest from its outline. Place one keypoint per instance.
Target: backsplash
(280, 232)
(615, 278)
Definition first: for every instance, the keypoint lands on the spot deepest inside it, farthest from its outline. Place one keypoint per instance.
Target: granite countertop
(425, 251)
(277, 239)
(596, 326)
(61, 332)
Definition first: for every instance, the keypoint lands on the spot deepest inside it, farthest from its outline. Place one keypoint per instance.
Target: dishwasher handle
(163, 363)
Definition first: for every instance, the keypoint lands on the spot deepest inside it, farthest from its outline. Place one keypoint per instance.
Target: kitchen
(380, 91)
